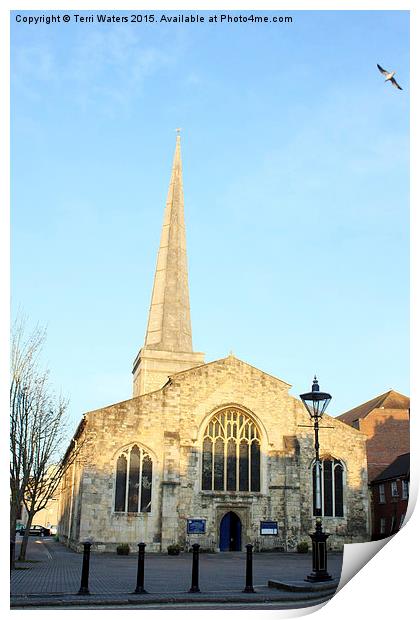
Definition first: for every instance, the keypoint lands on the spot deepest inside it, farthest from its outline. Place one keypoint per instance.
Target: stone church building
(217, 453)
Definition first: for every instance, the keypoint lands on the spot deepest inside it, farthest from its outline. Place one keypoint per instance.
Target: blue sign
(269, 528)
(196, 526)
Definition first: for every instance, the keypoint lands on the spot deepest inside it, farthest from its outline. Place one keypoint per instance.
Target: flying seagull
(389, 76)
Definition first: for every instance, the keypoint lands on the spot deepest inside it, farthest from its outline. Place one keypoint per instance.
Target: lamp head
(315, 401)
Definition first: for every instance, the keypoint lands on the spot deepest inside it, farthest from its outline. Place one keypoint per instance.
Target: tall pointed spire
(168, 343)
(169, 326)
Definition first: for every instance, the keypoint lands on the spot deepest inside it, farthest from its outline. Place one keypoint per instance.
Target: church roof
(224, 360)
(231, 358)
(399, 467)
(388, 400)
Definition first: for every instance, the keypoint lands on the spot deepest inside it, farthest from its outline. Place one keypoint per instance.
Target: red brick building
(386, 421)
(390, 490)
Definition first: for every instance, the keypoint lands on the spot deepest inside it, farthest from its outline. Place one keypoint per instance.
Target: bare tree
(26, 389)
(48, 465)
(38, 432)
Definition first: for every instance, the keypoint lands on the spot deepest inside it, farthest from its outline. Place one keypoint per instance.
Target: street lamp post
(316, 403)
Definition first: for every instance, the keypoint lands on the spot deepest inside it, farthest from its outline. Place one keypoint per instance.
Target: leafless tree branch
(38, 425)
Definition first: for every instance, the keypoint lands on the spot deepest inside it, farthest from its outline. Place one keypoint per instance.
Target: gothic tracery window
(133, 481)
(231, 453)
(332, 484)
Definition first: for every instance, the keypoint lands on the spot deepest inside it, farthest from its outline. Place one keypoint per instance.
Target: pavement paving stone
(54, 574)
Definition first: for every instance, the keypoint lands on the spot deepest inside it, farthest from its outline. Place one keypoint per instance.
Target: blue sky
(296, 180)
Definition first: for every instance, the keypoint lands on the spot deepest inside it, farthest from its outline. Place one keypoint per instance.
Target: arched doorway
(230, 532)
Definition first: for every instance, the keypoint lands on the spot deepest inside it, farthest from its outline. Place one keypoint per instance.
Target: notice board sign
(196, 526)
(269, 528)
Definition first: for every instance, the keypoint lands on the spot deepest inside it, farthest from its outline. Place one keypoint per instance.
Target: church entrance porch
(230, 538)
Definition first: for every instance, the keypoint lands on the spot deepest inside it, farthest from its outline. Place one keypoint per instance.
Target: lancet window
(231, 453)
(133, 481)
(332, 485)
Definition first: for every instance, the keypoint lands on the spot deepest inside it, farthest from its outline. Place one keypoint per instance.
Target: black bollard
(248, 579)
(84, 583)
(140, 571)
(12, 553)
(194, 577)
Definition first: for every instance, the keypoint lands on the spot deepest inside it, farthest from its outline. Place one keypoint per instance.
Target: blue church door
(230, 532)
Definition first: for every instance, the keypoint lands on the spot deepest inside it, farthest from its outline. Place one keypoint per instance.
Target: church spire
(169, 326)
(168, 342)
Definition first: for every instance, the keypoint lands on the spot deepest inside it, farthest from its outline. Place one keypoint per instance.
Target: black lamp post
(316, 403)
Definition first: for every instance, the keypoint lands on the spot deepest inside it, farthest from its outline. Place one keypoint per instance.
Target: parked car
(19, 528)
(53, 530)
(37, 530)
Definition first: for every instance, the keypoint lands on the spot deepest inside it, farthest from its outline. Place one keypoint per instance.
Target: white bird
(389, 76)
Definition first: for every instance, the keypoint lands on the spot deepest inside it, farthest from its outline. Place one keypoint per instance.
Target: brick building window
(394, 488)
(391, 531)
(382, 525)
(402, 519)
(133, 481)
(332, 487)
(405, 489)
(231, 453)
(382, 494)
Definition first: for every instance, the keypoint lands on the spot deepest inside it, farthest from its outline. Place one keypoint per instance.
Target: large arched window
(133, 481)
(332, 484)
(231, 453)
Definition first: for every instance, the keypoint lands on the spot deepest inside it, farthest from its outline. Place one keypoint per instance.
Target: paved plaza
(53, 574)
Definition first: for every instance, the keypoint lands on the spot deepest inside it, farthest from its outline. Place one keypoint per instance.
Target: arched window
(332, 483)
(231, 453)
(133, 481)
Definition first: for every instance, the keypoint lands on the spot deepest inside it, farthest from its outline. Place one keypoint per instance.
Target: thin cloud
(107, 70)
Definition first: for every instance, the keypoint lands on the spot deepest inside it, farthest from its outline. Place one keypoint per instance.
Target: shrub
(174, 549)
(123, 549)
(302, 547)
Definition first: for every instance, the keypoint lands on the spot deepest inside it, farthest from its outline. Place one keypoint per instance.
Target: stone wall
(170, 423)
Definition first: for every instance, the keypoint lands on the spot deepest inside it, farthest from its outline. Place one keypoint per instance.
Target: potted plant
(174, 549)
(123, 549)
(302, 547)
